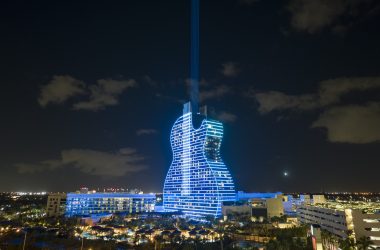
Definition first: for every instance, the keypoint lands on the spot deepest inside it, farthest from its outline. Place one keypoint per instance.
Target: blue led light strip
(108, 203)
(197, 181)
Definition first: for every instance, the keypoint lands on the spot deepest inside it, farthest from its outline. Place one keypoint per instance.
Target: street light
(81, 247)
(23, 245)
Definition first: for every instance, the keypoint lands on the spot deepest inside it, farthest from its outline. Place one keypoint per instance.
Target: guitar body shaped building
(198, 181)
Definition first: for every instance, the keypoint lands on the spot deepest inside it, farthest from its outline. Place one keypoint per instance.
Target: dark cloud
(344, 123)
(351, 123)
(230, 69)
(274, 100)
(105, 93)
(313, 16)
(146, 131)
(330, 92)
(149, 80)
(226, 117)
(316, 15)
(216, 92)
(169, 98)
(60, 89)
(92, 162)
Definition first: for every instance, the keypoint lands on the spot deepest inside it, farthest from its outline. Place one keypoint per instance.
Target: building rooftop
(110, 195)
(366, 207)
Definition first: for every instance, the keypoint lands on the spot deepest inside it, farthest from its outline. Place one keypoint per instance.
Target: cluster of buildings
(198, 185)
(92, 203)
(343, 219)
(260, 206)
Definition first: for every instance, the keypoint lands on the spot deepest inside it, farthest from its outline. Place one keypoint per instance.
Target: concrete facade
(56, 205)
(266, 205)
(343, 220)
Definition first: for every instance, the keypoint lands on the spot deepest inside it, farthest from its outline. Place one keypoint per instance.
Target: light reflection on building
(108, 203)
(198, 181)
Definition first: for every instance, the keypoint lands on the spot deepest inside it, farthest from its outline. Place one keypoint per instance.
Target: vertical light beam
(194, 56)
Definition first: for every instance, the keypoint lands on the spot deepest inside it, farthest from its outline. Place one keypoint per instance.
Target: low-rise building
(343, 218)
(258, 205)
(56, 205)
(79, 204)
(318, 199)
(233, 208)
(275, 207)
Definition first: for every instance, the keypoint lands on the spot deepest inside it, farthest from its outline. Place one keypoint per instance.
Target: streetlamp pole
(23, 245)
(221, 241)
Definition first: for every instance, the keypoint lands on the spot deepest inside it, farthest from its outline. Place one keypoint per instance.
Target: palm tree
(347, 244)
(220, 231)
(299, 244)
(334, 241)
(273, 245)
(364, 243)
(158, 239)
(325, 238)
(136, 239)
(197, 239)
(329, 240)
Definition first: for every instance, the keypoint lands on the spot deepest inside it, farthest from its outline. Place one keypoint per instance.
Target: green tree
(158, 239)
(273, 245)
(364, 243)
(347, 244)
(329, 240)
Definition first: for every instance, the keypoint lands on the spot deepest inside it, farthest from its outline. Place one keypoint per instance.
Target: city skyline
(91, 92)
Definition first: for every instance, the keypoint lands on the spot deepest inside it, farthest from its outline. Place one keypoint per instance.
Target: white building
(56, 205)
(339, 218)
(265, 205)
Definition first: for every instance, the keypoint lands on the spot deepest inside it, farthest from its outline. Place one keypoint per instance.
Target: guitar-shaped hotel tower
(198, 181)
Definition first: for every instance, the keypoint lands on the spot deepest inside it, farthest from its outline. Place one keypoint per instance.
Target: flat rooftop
(366, 207)
(111, 195)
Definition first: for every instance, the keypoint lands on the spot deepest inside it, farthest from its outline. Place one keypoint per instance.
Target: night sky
(90, 90)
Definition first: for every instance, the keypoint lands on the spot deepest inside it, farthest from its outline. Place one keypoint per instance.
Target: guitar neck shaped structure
(198, 181)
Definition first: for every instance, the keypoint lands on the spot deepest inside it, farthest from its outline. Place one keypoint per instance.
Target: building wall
(275, 207)
(340, 222)
(265, 205)
(260, 213)
(305, 199)
(236, 210)
(318, 199)
(331, 220)
(56, 205)
(367, 225)
(240, 195)
(198, 181)
(108, 203)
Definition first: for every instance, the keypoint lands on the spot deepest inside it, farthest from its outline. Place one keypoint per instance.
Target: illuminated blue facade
(108, 203)
(197, 181)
